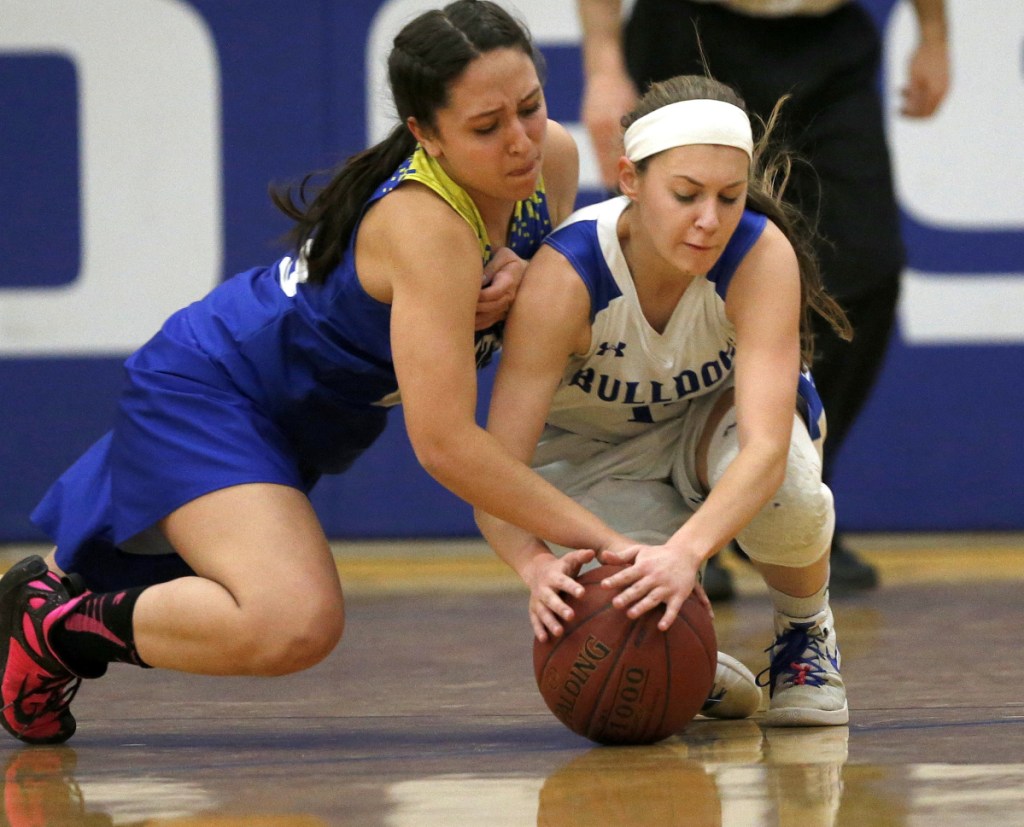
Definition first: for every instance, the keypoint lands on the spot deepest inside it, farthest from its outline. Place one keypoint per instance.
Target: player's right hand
(549, 578)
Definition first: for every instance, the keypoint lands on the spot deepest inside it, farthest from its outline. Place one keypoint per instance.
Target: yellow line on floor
(397, 573)
(469, 565)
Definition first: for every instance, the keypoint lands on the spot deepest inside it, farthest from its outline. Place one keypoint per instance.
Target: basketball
(616, 680)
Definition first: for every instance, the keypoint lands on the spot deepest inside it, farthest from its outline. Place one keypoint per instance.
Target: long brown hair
(769, 173)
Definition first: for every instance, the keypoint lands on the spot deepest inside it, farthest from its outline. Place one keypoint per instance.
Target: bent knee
(794, 528)
(279, 643)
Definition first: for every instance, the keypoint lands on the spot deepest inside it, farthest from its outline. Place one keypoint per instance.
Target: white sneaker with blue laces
(804, 684)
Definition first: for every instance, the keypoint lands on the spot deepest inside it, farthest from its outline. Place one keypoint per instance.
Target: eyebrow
(697, 183)
(492, 112)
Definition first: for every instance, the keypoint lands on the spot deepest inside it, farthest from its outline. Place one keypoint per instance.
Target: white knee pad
(794, 528)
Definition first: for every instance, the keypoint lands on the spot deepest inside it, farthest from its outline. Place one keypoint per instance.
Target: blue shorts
(177, 436)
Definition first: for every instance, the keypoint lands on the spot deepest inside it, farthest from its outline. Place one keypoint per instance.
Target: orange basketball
(620, 681)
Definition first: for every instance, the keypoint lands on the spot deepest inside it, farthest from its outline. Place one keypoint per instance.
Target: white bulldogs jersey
(632, 376)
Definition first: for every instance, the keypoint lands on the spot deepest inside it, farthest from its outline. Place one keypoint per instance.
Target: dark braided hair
(428, 55)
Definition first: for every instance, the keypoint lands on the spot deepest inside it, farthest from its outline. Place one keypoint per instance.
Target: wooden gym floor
(427, 714)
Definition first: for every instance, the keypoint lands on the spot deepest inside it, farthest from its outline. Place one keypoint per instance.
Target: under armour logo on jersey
(607, 347)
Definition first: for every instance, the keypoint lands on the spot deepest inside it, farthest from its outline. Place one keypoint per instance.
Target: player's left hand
(656, 575)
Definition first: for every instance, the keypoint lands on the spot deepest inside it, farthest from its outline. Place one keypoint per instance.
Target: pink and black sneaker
(35, 687)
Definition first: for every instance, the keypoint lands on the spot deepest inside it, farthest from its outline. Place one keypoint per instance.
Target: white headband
(689, 122)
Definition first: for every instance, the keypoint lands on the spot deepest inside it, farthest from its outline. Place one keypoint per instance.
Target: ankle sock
(792, 606)
(94, 630)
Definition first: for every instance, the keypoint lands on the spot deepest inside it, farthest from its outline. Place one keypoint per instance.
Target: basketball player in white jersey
(826, 56)
(656, 353)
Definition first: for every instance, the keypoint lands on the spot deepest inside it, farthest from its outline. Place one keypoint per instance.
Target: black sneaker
(35, 687)
(717, 581)
(849, 574)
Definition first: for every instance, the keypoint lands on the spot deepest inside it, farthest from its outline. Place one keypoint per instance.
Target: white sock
(792, 606)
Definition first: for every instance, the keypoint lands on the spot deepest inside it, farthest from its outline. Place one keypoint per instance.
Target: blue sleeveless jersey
(268, 378)
(299, 349)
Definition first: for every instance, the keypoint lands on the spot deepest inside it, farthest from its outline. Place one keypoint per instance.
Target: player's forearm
(931, 20)
(601, 23)
(747, 484)
(517, 548)
(473, 465)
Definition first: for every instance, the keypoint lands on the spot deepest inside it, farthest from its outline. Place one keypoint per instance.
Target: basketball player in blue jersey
(185, 535)
(653, 371)
(184, 538)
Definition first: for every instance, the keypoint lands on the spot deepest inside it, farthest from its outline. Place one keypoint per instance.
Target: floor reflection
(717, 774)
(630, 785)
(41, 789)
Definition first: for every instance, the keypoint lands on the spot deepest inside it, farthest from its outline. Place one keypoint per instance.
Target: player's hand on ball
(658, 575)
(550, 577)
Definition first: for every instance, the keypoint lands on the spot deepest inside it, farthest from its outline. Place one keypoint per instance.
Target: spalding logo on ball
(616, 680)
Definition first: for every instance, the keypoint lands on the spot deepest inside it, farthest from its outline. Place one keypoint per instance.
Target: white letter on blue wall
(959, 176)
(150, 160)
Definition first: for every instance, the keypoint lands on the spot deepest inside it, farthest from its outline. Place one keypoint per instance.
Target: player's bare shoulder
(553, 293)
(766, 284)
(413, 217)
(561, 170)
(411, 225)
(771, 257)
(408, 207)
